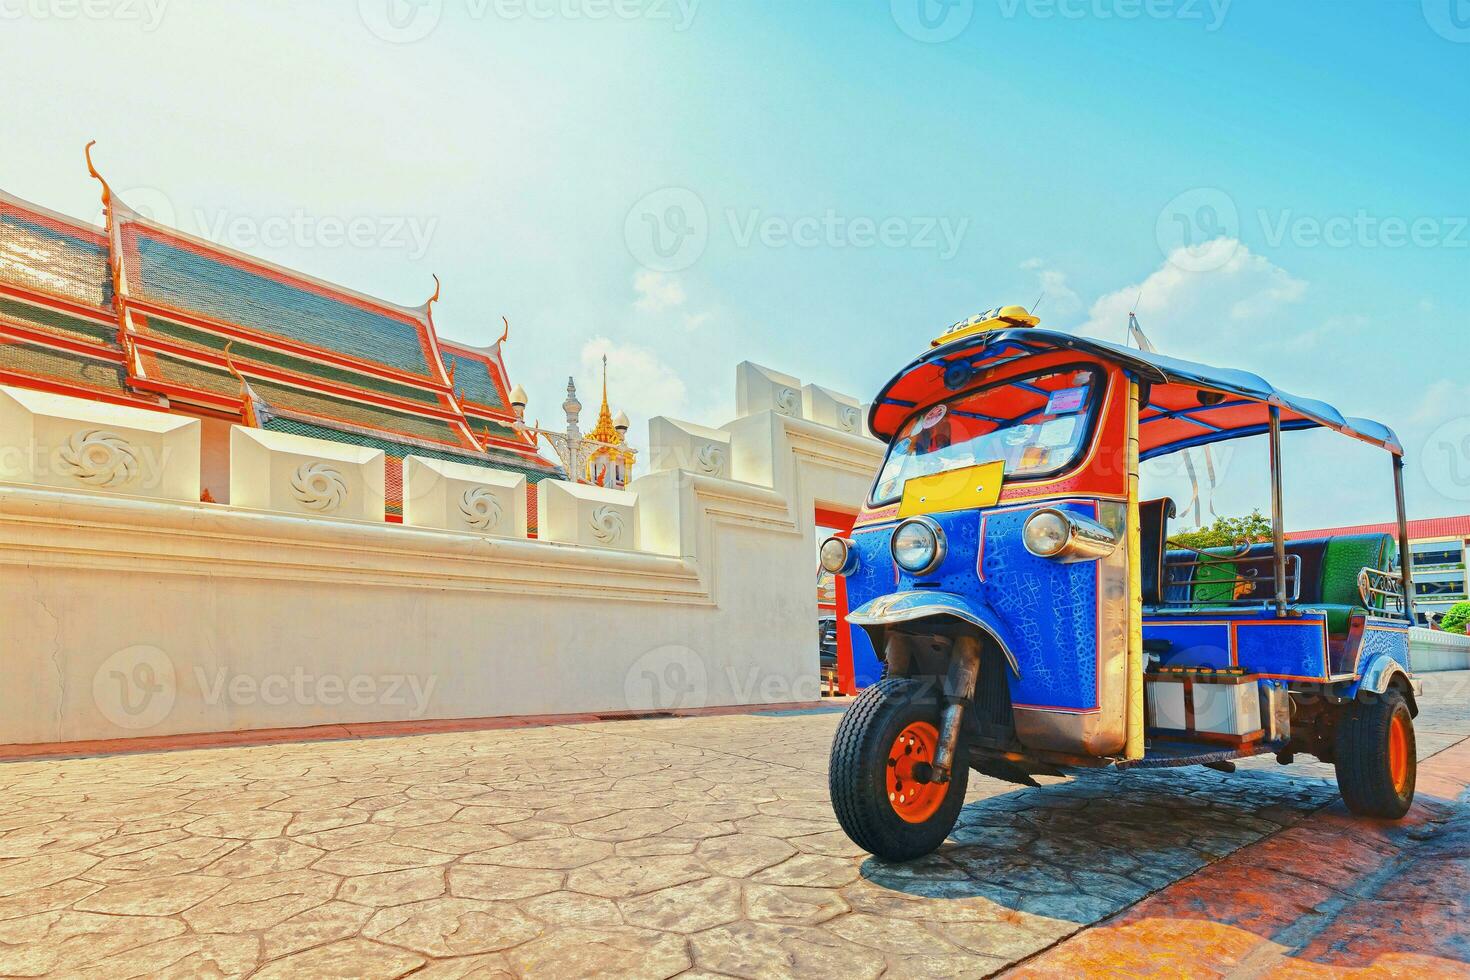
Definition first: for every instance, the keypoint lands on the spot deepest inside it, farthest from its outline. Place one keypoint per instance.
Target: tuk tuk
(1031, 616)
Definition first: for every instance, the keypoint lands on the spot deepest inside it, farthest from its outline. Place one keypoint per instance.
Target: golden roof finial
(606, 431)
(249, 400)
(92, 169)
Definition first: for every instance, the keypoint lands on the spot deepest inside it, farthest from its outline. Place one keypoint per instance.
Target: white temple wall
(128, 616)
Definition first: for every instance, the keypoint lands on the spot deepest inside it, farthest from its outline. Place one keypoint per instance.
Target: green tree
(1226, 532)
(1457, 620)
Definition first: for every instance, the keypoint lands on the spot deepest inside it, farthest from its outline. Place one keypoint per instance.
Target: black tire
(858, 773)
(1366, 757)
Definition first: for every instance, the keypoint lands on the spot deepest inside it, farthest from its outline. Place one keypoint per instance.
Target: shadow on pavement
(1084, 849)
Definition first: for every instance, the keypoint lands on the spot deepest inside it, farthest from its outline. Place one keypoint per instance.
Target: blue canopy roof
(1178, 416)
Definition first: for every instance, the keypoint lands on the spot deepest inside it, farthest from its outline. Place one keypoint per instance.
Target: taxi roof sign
(1000, 318)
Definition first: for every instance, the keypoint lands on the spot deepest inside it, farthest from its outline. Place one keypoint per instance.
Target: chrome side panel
(1103, 731)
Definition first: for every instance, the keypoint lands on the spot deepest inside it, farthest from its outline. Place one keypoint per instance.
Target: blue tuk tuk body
(1021, 611)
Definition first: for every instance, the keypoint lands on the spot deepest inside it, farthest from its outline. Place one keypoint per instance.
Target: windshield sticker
(1058, 432)
(1017, 435)
(933, 417)
(1066, 401)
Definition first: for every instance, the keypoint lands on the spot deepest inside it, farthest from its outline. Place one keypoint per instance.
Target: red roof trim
(191, 395)
(248, 366)
(38, 383)
(98, 314)
(43, 339)
(286, 346)
(302, 413)
(56, 222)
(279, 273)
(1431, 527)
(493, 365)
(128, 253)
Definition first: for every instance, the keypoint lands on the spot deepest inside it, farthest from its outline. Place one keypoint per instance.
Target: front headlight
(918, 546)
(1066, 537)
(837, 556)
(1045, 533)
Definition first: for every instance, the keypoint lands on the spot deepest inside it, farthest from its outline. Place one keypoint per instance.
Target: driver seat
(1154, 518)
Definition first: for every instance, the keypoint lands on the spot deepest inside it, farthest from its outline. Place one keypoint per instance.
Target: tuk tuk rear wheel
(879, 767)
(1376, 757)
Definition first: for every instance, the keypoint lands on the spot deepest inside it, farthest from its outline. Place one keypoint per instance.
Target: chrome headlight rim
(849, 556)
(1042, 513)
(936, 535)
(1086, 539)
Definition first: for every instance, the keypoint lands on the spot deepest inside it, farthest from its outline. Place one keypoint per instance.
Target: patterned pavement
(696, 846)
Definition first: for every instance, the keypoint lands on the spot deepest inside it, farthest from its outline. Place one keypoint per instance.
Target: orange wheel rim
(1398, 753)
(912, 800)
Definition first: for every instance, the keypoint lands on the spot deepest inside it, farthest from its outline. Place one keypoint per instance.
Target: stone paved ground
(703, 846)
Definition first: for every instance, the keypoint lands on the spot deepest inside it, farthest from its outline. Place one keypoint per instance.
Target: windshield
(1037, 425)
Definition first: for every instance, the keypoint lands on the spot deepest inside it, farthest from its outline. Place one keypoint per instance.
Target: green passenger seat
(1346, 557)
(1329, 573)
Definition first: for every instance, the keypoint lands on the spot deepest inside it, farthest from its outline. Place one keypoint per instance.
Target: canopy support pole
(1278, 516)
(1134, 720)
(1406, 557)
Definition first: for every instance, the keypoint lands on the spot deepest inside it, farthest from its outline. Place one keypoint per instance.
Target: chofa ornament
(788, 402)
(318, 486)
(480, 509)
(710, 460)
(607, 525)
(99, 459)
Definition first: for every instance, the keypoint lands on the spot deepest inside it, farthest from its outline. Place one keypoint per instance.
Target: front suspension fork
(959, 690)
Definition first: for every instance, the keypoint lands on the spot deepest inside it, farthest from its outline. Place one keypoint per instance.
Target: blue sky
(848, 181)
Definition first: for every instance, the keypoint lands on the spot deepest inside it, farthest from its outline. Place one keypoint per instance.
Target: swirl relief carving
(480, 509)
(607, 524)
(710, 460)
(320, 487)
(99, 458)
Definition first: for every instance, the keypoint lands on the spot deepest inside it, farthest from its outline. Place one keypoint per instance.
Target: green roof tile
(243, 352)
(63, 366)
(62, 324)
(220, 288)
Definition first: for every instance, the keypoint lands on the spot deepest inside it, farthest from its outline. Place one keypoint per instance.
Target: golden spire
(611, 463)
(605, 430)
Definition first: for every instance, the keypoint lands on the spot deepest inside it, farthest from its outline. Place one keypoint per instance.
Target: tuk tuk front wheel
(879, 773)
(1376, 757)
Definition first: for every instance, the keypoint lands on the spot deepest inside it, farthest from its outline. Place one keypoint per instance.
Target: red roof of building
(1432, 527)
(140, 313)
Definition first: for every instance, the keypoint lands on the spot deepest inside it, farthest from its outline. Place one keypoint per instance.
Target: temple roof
(142, 313)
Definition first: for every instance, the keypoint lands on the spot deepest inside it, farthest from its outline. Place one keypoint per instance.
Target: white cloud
(1059, 298)
(1441, 400)
(657, 291)
(1237, 305)
(639, 382)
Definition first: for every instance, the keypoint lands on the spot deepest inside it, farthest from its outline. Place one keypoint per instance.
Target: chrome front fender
(906, 607)
(1379, 674)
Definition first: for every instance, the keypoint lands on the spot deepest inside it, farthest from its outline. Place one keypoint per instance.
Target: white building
(1439, 546)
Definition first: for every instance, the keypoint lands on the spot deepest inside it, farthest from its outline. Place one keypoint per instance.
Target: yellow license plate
(966, 489)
